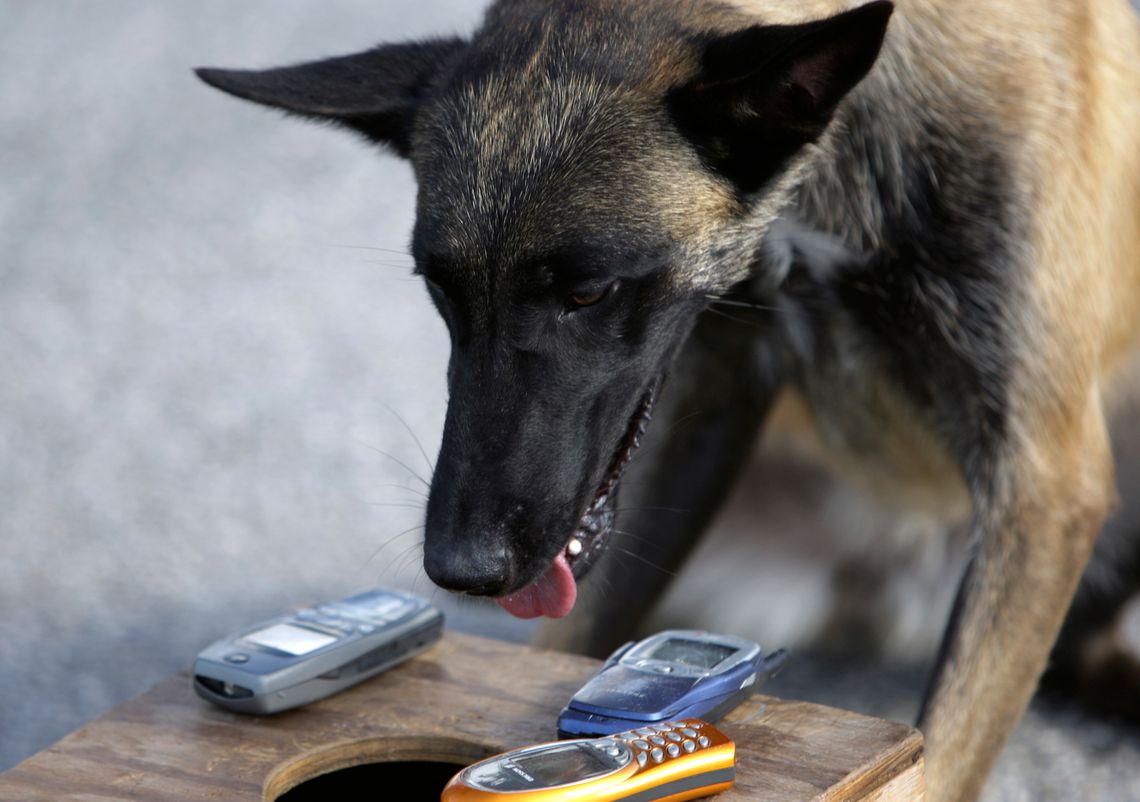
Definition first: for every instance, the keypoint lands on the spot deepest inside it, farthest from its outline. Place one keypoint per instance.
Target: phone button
(642, 758)
(689, 746)
(641, 744)
(672, 736)
(658, 755)
(644, 731)
(703, 741)
(657, 739)
(237, 658)
(674, 750)
(690, 732)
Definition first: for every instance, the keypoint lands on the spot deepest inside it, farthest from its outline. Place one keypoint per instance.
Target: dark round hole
(376, 781)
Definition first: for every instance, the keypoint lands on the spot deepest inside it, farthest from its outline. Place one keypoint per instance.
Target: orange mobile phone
(667, 762)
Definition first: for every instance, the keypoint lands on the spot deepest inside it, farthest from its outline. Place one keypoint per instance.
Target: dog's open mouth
(553, 594)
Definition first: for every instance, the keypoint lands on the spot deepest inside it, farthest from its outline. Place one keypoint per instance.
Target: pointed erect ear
(764, 92)
(376, 92)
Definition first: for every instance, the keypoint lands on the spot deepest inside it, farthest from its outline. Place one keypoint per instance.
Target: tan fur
(1071, 92)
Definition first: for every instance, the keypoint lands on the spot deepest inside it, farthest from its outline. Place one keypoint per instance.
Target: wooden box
(465, 699)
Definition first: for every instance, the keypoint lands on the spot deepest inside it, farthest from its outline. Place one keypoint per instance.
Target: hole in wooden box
(410, 781)
(416, 768)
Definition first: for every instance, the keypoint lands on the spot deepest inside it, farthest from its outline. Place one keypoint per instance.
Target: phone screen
(562, 766)
(543, 768)
(698, 654)
(290, 639)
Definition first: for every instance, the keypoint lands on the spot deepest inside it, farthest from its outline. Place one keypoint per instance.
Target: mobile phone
(678, 673)
(315, 652)
(677, 760)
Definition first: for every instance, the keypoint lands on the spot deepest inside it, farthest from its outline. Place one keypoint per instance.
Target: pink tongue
(552, 594)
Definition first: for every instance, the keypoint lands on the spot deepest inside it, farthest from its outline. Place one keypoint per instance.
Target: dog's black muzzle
(525, 475)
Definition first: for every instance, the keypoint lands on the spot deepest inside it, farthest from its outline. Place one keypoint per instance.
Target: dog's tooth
(574, 547)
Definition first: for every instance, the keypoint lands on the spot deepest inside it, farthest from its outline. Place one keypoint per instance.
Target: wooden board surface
(465, 699)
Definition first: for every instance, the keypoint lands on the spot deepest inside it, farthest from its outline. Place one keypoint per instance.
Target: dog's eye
(589, 297)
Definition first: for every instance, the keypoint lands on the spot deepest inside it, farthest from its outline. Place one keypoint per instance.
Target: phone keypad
(658, 743)
(326, 623)
(377, 609)
(362, 616)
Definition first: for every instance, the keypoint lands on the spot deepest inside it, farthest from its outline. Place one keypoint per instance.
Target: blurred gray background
(210, 343)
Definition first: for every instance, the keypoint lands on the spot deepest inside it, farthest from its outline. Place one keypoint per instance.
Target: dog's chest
(848, 413)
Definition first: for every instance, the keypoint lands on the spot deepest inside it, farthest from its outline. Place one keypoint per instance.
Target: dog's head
(590, 173)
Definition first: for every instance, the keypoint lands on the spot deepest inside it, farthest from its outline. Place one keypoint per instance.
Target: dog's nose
(484, 574)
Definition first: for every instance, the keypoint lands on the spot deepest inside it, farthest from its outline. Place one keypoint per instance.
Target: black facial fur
(541, 394)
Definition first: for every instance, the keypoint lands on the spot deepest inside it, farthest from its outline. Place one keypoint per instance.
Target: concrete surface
(208, 335)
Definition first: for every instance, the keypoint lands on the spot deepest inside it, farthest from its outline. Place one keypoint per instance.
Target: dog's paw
(1102, 668)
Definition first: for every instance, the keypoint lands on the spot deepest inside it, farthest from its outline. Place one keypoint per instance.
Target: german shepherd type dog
(929, 212)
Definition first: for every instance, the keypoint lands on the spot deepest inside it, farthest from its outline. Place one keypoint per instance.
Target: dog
(930, 214)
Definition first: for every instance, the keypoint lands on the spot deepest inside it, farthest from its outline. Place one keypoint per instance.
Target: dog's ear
(764, 92)
(376, 92)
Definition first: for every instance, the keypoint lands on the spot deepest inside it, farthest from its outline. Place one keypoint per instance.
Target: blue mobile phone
(674, 674)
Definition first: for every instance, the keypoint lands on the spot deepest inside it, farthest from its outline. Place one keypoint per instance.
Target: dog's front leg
(712, 407)
(1038, 514)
